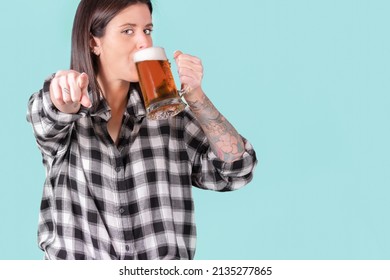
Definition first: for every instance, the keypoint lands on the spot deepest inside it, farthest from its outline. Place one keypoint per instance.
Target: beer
(158, 87)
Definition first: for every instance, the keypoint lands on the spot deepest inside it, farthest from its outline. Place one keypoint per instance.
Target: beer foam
(152, 53)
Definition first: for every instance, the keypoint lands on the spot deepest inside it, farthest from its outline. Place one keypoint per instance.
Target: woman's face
(128, 32)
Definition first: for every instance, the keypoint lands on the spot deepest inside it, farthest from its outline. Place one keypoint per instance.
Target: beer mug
(161, 97)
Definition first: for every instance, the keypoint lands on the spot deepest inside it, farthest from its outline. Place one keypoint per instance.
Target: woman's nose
(144, 41)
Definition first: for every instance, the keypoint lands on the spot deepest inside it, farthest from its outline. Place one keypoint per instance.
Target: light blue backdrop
(307, 82)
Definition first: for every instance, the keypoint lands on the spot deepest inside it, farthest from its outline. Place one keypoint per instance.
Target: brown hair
(92, 17)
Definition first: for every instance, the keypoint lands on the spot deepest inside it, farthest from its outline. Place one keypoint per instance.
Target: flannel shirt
(132, 200)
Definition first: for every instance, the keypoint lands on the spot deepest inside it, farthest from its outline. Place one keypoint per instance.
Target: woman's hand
(69, 90)
(190, 70)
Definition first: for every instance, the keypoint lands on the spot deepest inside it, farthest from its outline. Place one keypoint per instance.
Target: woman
(118, 185)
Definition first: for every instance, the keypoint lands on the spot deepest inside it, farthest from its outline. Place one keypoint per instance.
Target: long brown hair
(91, 19)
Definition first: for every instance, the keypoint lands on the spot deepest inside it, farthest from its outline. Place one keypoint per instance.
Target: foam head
(152, 53)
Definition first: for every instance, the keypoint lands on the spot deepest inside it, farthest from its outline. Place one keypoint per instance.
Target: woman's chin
(133, 79)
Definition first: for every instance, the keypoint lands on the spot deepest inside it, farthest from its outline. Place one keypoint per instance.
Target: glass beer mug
(161, 97)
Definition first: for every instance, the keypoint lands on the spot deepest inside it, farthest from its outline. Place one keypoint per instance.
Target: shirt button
(117, 169)
(121, 210)
(127, 248)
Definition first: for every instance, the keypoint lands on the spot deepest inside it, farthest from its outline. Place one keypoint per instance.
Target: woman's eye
(148, 31)
(128, 31)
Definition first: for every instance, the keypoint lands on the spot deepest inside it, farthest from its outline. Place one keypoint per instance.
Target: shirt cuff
(238, 168)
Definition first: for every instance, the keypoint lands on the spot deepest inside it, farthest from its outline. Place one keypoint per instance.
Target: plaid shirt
(127, 201)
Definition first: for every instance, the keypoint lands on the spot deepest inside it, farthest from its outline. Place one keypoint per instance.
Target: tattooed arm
(225, 142)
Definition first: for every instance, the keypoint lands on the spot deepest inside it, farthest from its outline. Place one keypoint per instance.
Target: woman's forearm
(224, 140)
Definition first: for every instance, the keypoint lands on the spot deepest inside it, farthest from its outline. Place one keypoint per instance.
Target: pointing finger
(85, 101)
(83, 81)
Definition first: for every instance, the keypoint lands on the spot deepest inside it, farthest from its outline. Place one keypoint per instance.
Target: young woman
(118, 185)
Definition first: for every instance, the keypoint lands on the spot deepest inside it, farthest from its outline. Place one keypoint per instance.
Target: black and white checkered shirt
(127, 201)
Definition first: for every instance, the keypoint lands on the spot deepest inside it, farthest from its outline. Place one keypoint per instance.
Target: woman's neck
(115, 93)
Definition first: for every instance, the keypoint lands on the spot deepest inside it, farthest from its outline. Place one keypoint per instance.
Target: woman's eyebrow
(135, 25)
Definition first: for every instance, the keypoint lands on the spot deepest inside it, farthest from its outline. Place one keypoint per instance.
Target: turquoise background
(307, 82)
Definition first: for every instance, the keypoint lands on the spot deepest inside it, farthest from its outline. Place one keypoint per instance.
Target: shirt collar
(135, 104)
(135, 107)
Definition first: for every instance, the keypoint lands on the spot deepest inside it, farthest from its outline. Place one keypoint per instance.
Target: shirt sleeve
(211, 173)
(50, 126)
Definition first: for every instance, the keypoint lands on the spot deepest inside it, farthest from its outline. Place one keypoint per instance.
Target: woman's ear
(94, 45)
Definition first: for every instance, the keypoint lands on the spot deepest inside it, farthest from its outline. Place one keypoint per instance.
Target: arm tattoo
(225, 141)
